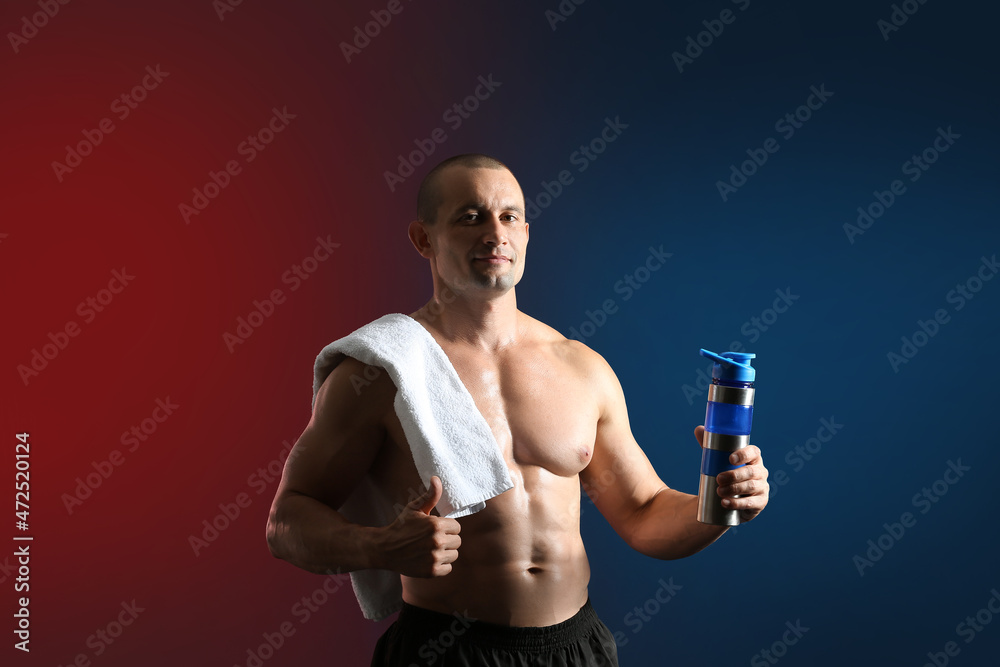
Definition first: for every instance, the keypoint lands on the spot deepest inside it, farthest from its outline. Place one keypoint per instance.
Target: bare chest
(539, 409)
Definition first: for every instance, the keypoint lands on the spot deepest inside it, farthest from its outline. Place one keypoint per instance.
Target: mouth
(494, 259)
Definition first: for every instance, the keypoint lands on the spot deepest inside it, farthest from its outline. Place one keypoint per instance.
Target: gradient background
(323, 176)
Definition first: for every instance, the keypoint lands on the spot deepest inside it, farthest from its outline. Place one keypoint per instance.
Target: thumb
(426, 502)
(699, 435)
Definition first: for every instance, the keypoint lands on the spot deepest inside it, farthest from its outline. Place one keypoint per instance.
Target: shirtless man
(558, 413)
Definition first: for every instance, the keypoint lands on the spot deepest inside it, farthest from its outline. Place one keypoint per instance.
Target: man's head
(470, 224)
(431, 195)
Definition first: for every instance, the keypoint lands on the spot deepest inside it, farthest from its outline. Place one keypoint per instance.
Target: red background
(162, 335)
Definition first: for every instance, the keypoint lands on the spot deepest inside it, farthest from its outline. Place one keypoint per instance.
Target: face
(479, 238)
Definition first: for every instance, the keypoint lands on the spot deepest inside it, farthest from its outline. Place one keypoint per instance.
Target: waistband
(492, 635)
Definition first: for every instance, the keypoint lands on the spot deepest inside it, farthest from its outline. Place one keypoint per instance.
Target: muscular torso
(522, 560)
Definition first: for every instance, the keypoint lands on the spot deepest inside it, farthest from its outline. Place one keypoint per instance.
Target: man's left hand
(748, 482)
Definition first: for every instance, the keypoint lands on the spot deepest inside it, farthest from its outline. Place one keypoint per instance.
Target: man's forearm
(667, 527)
(317, 538)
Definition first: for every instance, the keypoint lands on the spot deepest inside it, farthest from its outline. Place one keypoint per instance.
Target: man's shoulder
(356, 387)
(568, 350)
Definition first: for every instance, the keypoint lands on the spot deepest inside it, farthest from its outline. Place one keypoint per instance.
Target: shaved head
(429, 197)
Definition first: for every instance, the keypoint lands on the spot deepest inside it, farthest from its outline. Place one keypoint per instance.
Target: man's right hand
(417, 544)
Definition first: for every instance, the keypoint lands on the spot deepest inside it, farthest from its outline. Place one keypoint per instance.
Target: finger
(748, 455)
(699, 434)
(441, 539)
(750, 487)
(426, 501)
(448, 544)
(441, 570)
(755, 503)
(449, 526)
(741, 475)
(443, 560)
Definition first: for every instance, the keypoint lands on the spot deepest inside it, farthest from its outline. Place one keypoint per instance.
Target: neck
(485, 322)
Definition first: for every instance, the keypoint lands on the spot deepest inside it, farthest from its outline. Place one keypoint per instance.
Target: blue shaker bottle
(727, 429)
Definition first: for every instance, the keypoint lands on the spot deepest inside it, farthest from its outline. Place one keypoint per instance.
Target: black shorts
(424, 638)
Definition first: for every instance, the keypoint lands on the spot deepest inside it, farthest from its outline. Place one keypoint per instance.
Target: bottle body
(728, 418)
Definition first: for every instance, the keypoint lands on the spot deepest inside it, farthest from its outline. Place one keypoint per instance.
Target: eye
(510, 216)
(469, 217)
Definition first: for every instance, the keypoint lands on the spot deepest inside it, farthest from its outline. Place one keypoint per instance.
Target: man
(558, 413)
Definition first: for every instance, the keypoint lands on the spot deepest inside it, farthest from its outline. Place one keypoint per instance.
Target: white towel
(447, 434)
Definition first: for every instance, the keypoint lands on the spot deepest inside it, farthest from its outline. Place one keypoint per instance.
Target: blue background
(826, 357)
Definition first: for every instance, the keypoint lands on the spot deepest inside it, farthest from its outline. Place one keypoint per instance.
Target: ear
(526, 235)
(420, 239)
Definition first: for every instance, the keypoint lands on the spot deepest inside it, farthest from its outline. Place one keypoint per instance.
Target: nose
(496, 232)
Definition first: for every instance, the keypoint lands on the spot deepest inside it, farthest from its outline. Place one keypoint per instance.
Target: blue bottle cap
(731, 366)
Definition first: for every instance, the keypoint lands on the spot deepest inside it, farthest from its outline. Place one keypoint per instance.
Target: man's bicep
(342, 439)
(619, 479)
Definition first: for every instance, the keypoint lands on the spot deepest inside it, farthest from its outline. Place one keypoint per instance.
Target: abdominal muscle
(521, 561)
